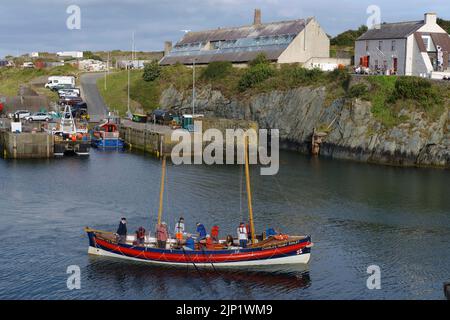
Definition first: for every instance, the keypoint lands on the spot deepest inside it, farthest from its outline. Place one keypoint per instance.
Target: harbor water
(359, 215)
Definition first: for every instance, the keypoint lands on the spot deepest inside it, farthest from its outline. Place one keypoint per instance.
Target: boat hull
(295, 252)
(108, 143)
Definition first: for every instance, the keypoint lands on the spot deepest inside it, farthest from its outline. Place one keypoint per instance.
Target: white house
(417, 48)
(294, 41)
(72, 54)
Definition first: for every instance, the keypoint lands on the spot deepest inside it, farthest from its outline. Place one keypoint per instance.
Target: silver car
(22, 114)
(39, 116)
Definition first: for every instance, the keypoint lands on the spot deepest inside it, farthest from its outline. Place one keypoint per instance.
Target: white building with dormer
(415, 48)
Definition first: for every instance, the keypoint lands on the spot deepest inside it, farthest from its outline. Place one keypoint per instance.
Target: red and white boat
(284, 250)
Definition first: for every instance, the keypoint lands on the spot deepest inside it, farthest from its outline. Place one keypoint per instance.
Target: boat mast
(161, 192)
(249, 191)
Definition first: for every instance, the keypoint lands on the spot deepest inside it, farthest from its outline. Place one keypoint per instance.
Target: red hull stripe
(177, 256)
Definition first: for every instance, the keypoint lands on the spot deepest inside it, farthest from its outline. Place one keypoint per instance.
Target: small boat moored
(106, 136)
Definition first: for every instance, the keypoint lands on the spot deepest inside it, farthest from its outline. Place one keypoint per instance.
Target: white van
(57, 82)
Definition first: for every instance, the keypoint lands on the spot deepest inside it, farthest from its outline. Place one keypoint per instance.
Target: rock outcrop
(353, 132)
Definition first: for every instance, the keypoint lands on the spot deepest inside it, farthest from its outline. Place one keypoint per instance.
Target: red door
(395, 62)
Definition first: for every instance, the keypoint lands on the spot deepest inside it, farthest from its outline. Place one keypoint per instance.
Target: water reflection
(121, 274)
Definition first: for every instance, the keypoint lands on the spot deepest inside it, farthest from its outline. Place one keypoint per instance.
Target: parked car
(28, 65)
(70, 100)
(69, 92)
(163, 117)
(21, 114)
(39, 116)
(57, 83)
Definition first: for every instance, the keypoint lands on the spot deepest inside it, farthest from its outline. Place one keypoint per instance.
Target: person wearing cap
(162, 235)
(201, 231)
(122, 230)
(242, 235)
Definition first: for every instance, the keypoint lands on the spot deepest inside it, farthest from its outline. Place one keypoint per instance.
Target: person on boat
(140, 236)
(122, 230)
(190, 243)
(215, 233)
(179, 230)
(209, 242)
(230, 240)
(201, 231)
(270, 232)
(242, 235)
(249, 232)
(162, 235)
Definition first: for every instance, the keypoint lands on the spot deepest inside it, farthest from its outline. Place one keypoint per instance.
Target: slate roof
(398, 30)
(252, 31)
(235, 53)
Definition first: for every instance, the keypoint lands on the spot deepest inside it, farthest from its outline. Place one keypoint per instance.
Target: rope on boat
(210, 261)
(192, 261)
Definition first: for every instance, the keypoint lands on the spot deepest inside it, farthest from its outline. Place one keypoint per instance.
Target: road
(97, 108)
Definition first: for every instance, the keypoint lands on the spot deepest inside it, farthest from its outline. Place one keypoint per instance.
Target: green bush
(358, 90)
(261, 58)
(305, 76)
(217, 70)
(418, 89)
(152, 71)
(255, 75)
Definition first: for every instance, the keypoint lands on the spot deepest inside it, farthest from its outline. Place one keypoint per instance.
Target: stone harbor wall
(352, 131)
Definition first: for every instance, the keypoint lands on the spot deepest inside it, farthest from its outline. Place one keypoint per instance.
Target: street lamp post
(193, 89)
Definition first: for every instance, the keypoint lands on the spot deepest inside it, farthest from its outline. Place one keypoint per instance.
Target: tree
(348, 38)
(152, 71)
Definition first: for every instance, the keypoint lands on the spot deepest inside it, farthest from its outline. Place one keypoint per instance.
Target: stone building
(295, 41)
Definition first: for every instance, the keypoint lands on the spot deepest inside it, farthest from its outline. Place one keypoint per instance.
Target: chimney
(430, 18)
(257, 20)
(167, 47)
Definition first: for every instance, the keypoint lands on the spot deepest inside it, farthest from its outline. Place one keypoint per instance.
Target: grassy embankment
(145, 95)
(12, 78)
(388, 95)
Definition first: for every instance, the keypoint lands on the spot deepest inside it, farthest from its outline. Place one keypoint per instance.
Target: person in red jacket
(1, 108)
(209, 242)
(215, 233)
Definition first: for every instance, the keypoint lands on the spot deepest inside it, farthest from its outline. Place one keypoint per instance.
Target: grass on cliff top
(390, 94)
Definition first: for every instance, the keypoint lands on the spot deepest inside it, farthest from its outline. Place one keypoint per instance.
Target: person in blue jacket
(201, 231)
(190, 244)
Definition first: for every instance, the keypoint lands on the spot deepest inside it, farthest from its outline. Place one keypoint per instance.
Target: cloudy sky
(40, 25)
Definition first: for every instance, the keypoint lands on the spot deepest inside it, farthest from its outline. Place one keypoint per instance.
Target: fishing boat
(106, 136)
(70, 137)
(274, 250)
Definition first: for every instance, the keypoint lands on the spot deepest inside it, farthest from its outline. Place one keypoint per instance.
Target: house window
(427, 42)
(376, 64)
(380, 45)
(393, 45)
(367, 45)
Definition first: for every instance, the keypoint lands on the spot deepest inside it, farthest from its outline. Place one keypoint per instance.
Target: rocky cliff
(353, 132)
